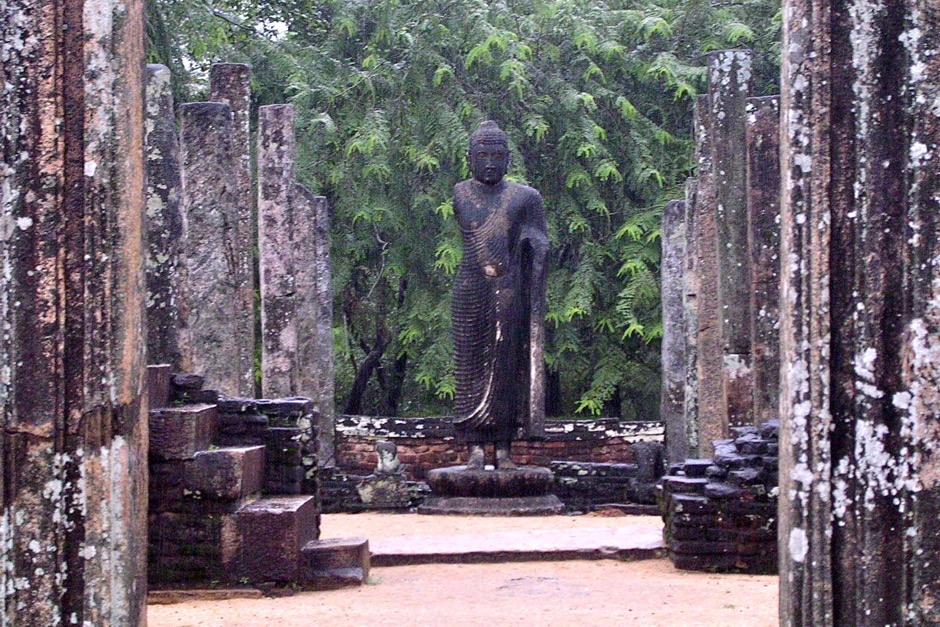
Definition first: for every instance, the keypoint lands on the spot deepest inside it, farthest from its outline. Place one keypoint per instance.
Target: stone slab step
(262, 541)
(226, 473)
(170, 597)
(696, 468)
(335, 563)
(335, 578)
(181, 432)
(520, 546)
(685, 485)
(628, 509)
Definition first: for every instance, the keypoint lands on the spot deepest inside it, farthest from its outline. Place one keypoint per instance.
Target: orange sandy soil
(602, 592)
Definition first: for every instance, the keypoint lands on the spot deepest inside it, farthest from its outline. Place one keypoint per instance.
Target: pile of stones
(721, 514)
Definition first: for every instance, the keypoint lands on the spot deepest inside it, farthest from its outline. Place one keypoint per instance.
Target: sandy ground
(604, 592)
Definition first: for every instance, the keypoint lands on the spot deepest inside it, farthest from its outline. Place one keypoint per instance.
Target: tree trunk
(393, 386)
(369, 365)
(553, 405)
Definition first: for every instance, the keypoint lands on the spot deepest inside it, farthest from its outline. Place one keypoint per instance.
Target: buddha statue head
(489, 153)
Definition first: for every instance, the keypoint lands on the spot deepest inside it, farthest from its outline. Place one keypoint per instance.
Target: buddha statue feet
(477, 457)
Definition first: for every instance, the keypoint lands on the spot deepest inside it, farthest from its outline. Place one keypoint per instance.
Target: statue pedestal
(384, 491)
(520, 492)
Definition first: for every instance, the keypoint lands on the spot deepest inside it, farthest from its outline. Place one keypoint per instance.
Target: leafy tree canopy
(596, 98)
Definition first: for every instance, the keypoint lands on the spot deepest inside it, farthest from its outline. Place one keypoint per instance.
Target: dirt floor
(602, 592)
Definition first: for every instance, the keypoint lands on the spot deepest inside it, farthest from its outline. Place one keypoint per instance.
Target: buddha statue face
(489, 153)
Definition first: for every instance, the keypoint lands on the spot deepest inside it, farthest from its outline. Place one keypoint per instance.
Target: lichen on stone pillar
(672, 403)
(295, 271)
(210, 216)
(859, 324)
(729, 85)
(712, 404)
(763, 209)
(167, 332)
(73, 447)
(230, 83)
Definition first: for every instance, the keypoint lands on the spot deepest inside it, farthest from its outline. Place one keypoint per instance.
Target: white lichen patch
(841, 501)
(88, 552)
(798, 545)
(736, 366)
(920, 430)
(920, 152)
(804, 162)
(864, 363)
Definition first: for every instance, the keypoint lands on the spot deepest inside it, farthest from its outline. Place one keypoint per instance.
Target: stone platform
(521, 546)
(523, 491)
(545, 505)
(461, 481)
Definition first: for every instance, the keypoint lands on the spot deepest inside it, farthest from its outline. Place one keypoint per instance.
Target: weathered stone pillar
(690, 319)
(729, 74)
(210, 217)
(712, 406)
(296, 289)
(167, 333)
(230, 83)
(73, 448)
(860, 314)
(315, 313)
(763, 210)
(276, 151)
(672, 402)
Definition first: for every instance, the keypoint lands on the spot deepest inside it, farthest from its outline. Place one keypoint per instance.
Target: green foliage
(596, 98)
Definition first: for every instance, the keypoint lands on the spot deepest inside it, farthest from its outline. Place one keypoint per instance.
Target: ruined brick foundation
(720, 514)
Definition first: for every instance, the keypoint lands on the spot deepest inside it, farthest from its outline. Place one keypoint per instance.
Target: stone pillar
(276, 151)
(296, 289)
(210, 217)
(712, 405)
(672, 402)
(729, 73)
(315, 313)
(860, 314)
(167, 334)
(73, 448)
(763, 210)
(230, 83)
(690, 320)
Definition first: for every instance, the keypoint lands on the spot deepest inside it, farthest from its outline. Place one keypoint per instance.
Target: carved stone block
(181, 432)
(262, 541)
(226, 473)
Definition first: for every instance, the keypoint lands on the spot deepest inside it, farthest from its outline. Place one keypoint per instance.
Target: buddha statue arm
(534, 239)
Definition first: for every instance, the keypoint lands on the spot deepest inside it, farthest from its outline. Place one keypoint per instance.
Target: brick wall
(427, 443)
